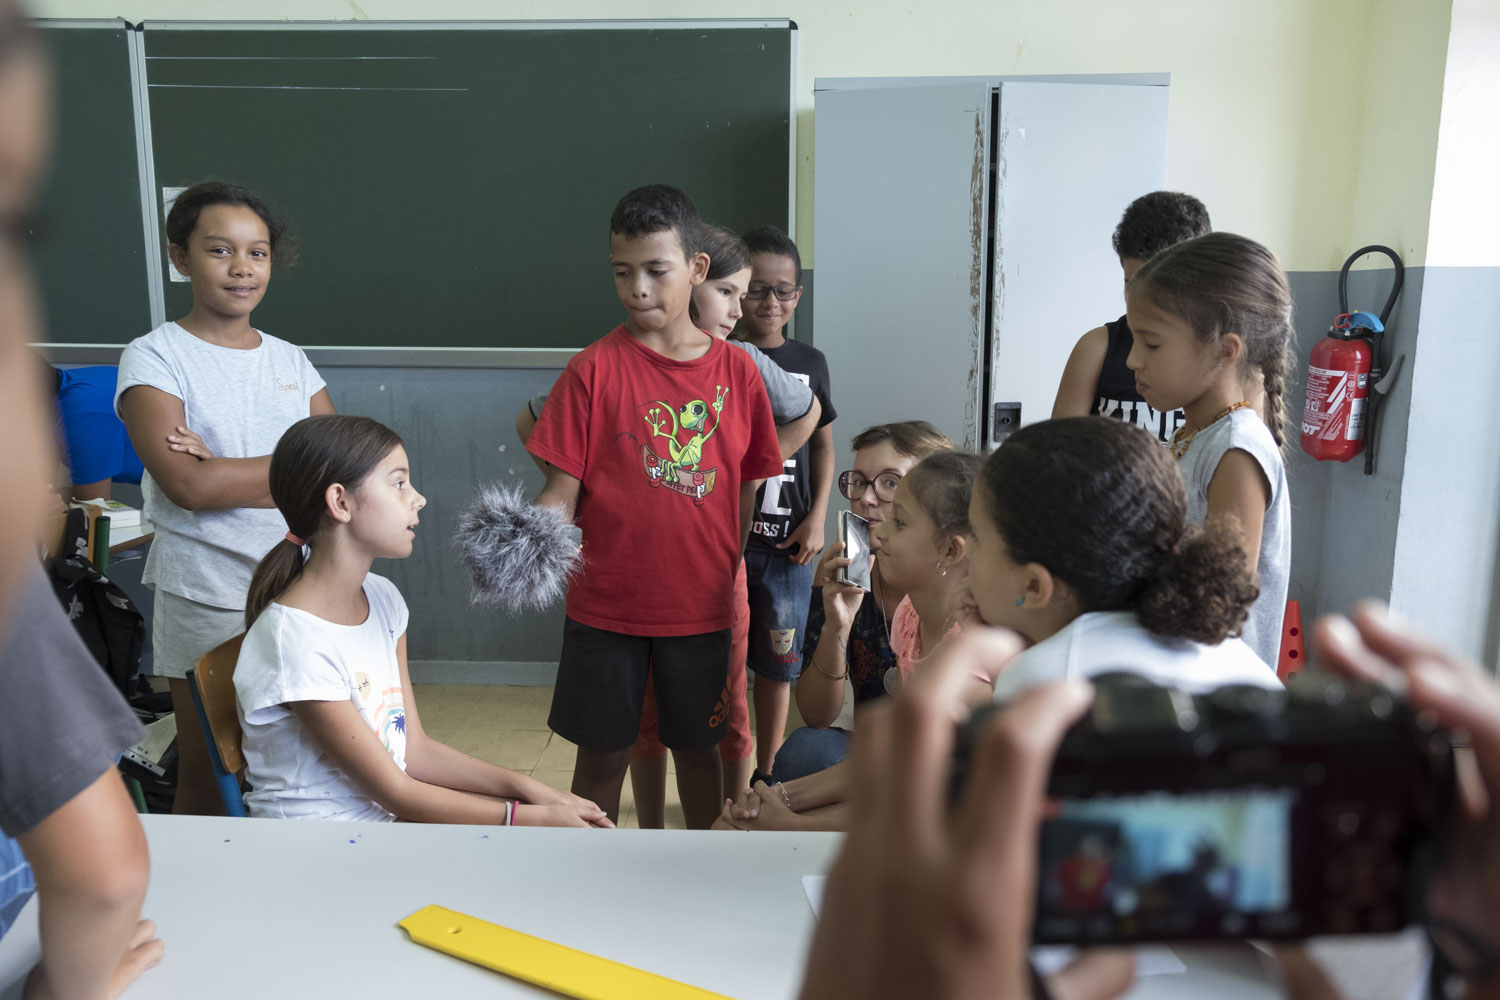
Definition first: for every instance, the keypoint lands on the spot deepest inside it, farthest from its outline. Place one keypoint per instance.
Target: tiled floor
(508, 726)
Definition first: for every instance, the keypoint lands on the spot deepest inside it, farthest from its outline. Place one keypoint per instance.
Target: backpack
(107, 621)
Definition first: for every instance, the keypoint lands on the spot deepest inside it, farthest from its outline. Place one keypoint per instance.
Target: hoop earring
(942, 569)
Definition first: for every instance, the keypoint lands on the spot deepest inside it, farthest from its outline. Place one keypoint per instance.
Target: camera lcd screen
(1157, 865)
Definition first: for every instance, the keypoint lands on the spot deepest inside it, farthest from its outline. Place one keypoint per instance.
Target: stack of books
(120, 516)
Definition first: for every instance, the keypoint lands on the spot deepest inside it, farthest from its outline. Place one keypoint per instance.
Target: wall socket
(1005, 422)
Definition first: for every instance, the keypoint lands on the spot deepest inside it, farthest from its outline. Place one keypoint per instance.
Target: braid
(1274, 369)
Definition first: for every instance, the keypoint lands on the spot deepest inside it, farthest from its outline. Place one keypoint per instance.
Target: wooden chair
(212, 683)
(53, 528)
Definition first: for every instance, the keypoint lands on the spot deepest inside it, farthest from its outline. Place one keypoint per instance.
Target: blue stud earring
(1020, 601)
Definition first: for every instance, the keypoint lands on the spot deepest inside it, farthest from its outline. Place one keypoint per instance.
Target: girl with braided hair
(1211, 319)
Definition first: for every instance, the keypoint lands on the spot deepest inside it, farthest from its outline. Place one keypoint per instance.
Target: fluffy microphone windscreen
(519, 554)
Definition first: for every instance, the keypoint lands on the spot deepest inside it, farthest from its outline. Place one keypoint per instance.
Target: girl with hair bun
(1079, 542)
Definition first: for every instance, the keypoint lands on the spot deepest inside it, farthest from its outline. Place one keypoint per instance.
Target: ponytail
(1101, 505)
(1221, 283)
(313, 454)
(1203, 590)
(273, 575)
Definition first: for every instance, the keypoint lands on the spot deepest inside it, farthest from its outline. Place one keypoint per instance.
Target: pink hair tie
(295, 540)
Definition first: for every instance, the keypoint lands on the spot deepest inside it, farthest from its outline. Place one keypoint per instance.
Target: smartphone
(1240, 813)
(854, 532)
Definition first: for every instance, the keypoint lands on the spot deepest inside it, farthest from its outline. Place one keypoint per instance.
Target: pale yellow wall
(1399, 65)
(1268, 110)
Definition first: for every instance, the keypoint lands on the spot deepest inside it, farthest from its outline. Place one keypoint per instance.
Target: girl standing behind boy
(206, 489)
(330, 722)
(1212, 321)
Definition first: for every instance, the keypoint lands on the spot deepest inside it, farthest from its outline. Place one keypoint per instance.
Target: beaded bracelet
(785, 798)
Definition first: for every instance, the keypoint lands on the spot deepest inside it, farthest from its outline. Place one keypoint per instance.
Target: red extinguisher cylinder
(1338, 385)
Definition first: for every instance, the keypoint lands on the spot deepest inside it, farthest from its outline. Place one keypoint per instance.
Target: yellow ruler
(553, 966)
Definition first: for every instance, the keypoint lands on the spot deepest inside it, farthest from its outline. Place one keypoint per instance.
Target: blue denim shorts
(779, 594)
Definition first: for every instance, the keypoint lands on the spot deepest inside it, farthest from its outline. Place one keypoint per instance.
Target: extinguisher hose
(1390, 302)
(1385, 316)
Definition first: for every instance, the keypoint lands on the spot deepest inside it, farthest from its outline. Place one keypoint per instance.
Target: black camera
(1238, 813)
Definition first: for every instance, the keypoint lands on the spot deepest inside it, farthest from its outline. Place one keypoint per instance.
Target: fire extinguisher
(1345, 380)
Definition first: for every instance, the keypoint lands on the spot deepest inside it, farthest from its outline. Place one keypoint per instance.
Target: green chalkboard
(451, 185)
(89, 243)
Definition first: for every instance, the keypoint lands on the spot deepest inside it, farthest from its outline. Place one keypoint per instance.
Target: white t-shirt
(240, 403)
(1244, 430)
(291, 655)
(1103, 641)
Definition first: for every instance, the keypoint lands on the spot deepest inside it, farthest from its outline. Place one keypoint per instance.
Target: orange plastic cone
(1293, 649)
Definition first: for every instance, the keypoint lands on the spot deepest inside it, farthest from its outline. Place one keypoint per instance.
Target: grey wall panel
(1344, 522)
(1450, 501)
(1307, 479)
(459, 428)
(1359, 543)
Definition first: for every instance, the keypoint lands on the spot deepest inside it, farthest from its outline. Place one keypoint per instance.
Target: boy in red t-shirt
(658, 436)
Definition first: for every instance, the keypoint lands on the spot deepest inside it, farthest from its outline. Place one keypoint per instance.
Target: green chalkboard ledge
(357, 357)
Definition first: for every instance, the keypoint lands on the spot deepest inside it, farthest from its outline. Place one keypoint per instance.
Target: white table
(281, 908)
(121, 539)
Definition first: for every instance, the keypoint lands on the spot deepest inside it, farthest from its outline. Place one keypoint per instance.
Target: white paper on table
(1150, 960)
(1155, 960)
(813, 886)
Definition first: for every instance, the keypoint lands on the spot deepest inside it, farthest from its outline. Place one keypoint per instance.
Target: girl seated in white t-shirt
(1079, 542)
(331, 729)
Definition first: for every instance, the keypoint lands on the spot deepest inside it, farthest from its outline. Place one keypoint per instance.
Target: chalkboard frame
(393, 356)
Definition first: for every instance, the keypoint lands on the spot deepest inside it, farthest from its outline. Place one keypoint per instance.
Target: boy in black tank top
(1096, 380)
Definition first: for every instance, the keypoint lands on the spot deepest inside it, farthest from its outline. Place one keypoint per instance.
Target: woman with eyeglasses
(848, 630)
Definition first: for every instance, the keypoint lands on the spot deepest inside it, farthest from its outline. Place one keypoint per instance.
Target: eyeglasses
(853, 485)
(759, 290)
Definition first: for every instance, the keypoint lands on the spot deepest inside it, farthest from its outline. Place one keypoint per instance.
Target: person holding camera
(963, 879)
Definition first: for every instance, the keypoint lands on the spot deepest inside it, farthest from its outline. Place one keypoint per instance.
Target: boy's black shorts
(601, 686)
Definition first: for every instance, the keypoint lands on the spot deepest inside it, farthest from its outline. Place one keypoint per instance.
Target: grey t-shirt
(1244, 430)
(240, 403)
(65, 723)
(790, 397)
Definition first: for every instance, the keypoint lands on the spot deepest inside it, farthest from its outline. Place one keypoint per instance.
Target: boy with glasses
(787, 530)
